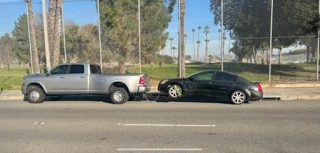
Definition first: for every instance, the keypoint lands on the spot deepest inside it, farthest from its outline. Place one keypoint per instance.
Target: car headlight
(163, 81)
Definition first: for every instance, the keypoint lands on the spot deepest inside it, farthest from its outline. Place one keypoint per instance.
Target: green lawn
(289, 73)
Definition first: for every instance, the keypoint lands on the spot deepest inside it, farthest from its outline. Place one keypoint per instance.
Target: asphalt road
(94, 126)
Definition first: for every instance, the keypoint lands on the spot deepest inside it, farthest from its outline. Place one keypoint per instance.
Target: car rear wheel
(238, 97)
(35, 95)
(119, 95)
(174, 91)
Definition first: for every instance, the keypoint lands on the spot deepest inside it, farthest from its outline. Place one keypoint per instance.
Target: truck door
(55, 82)
(77, 80)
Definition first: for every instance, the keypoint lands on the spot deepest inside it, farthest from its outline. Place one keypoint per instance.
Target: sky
(84, 11)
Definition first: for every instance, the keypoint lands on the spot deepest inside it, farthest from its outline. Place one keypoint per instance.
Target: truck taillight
(141, 80)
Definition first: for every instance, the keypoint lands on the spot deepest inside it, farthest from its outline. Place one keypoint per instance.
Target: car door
(55, 82)
(201, 83)
(223, 83)
(77, 80)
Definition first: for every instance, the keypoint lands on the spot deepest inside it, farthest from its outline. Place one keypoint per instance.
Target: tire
(119, 95)
(238, 97)
(55, 98)
(174, 91)
(35, 95)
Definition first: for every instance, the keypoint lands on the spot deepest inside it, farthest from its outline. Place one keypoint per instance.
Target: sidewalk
(282, 92)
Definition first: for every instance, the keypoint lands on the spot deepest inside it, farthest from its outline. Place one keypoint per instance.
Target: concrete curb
(302, 85)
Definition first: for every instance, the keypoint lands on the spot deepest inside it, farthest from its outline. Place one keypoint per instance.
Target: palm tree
(174, 52)
(182, 49)
(55, 29)
(185, 39)
(198, 42)
(171, 39)
(194, 51)
(35, 57)
(206, 31)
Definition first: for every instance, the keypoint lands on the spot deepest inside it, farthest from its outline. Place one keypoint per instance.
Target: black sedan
(217, 84)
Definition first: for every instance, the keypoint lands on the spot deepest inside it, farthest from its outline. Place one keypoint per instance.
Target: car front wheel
(174, 91)
(238, 97)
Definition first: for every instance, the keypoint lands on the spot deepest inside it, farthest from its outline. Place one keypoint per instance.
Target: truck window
(76, 69)
(62, 69)
(95, 69)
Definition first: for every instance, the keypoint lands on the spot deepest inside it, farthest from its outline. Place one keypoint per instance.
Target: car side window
(62, 69)
(204, 77)
(224, 77)
(77, 69)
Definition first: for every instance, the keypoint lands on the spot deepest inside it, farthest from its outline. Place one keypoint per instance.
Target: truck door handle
(82, 77)
(62, 77)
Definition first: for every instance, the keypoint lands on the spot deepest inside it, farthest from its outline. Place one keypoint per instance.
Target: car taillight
(141, 80)
(259, 87)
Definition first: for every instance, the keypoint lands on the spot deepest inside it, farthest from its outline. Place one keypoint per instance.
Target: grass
(288, 73)
(12, 79)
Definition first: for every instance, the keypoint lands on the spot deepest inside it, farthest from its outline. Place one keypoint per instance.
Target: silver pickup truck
(83, 79)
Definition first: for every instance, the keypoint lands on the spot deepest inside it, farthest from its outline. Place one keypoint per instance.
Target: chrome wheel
(118, 96)
(34, 95)
(175, 91)
(238, 97)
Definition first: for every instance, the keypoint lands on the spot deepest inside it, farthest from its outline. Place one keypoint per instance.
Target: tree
(182, 41)
(34, 47)
(5, 51)
(198, 42)
(119, 27)
(194, 50)
(198, 57)
(174, 51)
(20, 39)
(171, 40)
(54, 30)
(206, 31)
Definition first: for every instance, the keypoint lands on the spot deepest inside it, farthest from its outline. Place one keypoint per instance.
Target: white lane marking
(159, 149)
(39, 123)
(170, 125)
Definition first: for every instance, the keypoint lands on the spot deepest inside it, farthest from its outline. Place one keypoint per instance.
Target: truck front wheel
(119, 95)
(35, 95)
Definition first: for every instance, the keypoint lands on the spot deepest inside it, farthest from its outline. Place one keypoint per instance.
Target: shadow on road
(146, 97)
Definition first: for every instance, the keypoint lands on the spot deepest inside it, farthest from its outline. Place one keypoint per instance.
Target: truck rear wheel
(35, 95)
(119, 95)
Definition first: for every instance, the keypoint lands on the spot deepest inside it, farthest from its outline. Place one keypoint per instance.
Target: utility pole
(139, 31)
(270, 41)
(179, 40)
(222, 36)
(64, 34)
(318, 45)
(100, 46)
(30, 45)
(46, 40)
